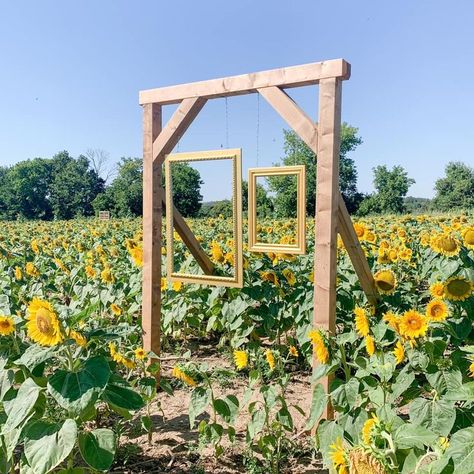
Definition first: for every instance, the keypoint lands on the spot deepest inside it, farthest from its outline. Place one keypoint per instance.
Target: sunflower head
(446, 244)
(361, 321)
(43, 325)
(385, 281)
(413, 324)
(458, 288)
(468, 237)
(7, 325)
(437, 310)
(240, 359)
(363, 462)
(399, 352)
(270, 358)
(437, 290)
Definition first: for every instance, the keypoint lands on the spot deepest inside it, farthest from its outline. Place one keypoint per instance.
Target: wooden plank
(327, 206)
(189, 239)
(356, 254)
(294, 116)
(152, 218)
(294, 76)
(176, 126)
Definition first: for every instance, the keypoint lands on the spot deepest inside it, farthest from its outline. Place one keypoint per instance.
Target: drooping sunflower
(31, 270)
(79, 338)
(164, 284)
(370, 345)
(137, 255)
(471, 369)
(437, 310)
(361, 321)
(319, 346)
(7, 325)
(106, 275)
(290, 276)
(360, 230)
(446, 244)
(18, 273)
(116, 309)
(269, 276)
(399, 352)
(361, 461)
(468, 237)
(270, 359)
(392, 319)
(241, 359)
(90, 272)
(458, 288)
(413, 324)
(216, 252)
(385, 281)
(43, 325)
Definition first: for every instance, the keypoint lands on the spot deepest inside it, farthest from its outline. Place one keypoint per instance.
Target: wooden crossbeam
(356, 254)
(292, 114)
(294, 76)
(176, 126)
(189, 239)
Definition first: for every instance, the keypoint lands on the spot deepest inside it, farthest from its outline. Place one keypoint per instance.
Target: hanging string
(258, 124)
(226, 124)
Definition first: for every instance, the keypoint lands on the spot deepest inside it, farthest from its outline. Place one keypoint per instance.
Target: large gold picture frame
(299, 248)
(235, 155)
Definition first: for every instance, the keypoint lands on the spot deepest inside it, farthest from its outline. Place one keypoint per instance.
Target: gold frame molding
(234, 154)
(300, 172)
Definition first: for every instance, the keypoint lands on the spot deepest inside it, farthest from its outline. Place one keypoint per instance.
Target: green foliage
(186, 189)
(61, 187)
(298, 153)
(456, 189)
(391, 188)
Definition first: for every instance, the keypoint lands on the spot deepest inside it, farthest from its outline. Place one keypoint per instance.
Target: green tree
(456, 189)
(265, 206)
(124, 197)
(298, 153)
(186, 183)
(74, 185)
(391, 189)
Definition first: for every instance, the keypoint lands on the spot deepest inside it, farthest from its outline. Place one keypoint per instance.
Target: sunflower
(471, 369)
(78, 338)
(392, 319)
(140, 353)
(413, 324)
(240, 359)
(399, 352)
(437, 290)
(367, 429)
(216, 252)
(137, 256)
(468, 237)
(270, 359)
(290, 276)
(106, 275)
(319, 346)
(361, 322)
(458, 288)
(293, 351)
(360, 230)
(90, 272)
(116, 309)
(176, 286)
(385, 281)
(446, 244)
(180, 375)
(437, 310)
(43, 325)
(18, 273)
(164, 284)
(31, 270)
(7, 325)
(370, 345)
(338, 456)
(269, 276)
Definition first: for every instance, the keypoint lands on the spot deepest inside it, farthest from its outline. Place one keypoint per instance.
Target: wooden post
(327, 206)
(152, 218)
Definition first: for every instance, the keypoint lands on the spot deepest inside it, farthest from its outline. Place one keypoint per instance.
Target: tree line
(64, 187)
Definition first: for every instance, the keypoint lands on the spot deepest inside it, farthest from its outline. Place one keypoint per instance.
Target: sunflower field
(74, 375)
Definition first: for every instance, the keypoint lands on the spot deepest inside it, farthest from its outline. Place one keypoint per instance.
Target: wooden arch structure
(322, 137)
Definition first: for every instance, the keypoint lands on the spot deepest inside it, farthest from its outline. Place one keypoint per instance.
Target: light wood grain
(176, 126)
(152, 219)
(294, 76)
(327, 207)
(294, 116)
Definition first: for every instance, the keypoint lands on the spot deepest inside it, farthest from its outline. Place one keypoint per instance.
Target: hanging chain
(226, 124)
(258, 124)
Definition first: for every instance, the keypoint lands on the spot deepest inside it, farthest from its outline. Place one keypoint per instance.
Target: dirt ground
(174, 446)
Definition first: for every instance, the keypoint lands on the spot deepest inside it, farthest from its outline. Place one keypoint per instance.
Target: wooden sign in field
(322, 137)
(104, 215)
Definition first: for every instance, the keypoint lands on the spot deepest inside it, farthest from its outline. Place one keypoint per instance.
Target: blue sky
(70, 72)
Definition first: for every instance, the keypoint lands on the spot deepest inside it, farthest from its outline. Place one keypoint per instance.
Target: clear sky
(70, 72)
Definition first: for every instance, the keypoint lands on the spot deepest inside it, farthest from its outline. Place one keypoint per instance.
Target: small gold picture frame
(299, 247)
(237, 279)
